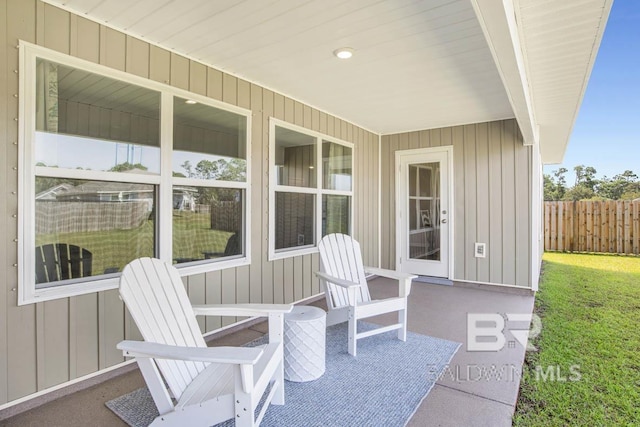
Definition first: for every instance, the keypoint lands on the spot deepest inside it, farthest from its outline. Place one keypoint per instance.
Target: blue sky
(606, 134)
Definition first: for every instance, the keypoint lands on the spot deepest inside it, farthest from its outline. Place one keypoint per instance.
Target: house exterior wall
(50, 343)
(492, 199)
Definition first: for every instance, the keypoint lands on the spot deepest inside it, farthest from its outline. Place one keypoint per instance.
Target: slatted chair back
(157, 300)
(234, 245)
(340, 257)
(60, 261)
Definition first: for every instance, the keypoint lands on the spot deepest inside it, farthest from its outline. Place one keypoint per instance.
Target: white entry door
(423, 211)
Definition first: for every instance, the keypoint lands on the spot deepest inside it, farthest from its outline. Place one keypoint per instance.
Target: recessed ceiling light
(343, 52)
(190, 102)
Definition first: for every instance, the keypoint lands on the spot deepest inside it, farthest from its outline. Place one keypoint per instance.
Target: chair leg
(276, 334)
(244, 410)
(278, 397)
(353, 331)
(402, 319)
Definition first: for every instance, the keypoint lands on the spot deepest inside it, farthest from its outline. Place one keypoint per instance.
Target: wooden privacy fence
(78, 217)
(592, 226)
(226, 216)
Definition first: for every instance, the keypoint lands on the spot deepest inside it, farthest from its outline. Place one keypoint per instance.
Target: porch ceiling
(418, 64)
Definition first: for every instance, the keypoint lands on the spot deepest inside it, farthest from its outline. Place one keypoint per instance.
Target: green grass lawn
(590, 310)
(192, 235)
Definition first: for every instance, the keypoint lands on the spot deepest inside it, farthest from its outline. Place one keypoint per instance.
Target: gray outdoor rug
(383, 386)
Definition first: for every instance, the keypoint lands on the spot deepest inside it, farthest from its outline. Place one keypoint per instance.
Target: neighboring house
(54, 192)
(108, 192)
(427, 145)
(183, 197)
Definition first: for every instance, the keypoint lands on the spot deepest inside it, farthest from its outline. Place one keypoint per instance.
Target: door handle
(444, 221)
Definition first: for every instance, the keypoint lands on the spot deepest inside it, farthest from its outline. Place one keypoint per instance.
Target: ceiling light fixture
(190, 102)
(343, 52)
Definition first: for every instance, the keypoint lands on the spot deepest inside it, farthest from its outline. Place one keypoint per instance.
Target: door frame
(401, 194)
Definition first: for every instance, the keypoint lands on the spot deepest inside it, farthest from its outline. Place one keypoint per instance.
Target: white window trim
(317, 191)
(27, 292)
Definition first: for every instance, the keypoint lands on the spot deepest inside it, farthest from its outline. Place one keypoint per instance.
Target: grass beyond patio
(587, 367)
(192, 237)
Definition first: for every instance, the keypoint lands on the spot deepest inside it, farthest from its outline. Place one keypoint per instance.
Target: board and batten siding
(492, 199)
(50, 343)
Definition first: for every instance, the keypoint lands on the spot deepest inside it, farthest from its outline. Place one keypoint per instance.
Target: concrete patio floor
(478, 388)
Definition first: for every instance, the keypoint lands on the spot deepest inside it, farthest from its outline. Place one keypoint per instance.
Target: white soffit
(560, 39)
(498, 21)
(417, 64)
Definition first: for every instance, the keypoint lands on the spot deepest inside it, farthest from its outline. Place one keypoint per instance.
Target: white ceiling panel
(417, 64)
(560, 40)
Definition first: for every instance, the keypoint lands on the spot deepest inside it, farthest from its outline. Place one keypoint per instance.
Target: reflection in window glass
(90, 228)
(413, 215)
(413, 187)
(88, 121)
(336, 166)
(424, 206)
(425, 181)
(336, 211)
(295, 158)
(295, 219)
(207, 223)
(208, 143)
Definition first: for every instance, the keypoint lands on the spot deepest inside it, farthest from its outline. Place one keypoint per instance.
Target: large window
(311, 189)
(116, 167)
(209, 170)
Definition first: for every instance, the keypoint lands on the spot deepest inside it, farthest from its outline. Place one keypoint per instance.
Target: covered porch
(478, 388)
(250, 91)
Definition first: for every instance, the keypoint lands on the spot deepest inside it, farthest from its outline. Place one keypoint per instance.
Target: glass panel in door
(424, 206)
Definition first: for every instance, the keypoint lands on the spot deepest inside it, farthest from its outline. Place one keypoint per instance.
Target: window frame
(27, 292)
(318, 191)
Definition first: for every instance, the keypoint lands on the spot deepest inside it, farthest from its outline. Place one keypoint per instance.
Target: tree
(579, 192)
(627, 176)
(127, 167)
(622, 186)
(631, 191)
(579, 170)
(610, 189)
(188, 168)
(555, 186)
(590, 180)
(585, 185)
(221, 169)
(585, 176)
(549, 188)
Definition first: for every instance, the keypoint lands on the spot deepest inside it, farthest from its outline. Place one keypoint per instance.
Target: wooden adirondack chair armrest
(404, 279)
(250, 310)
(229, 355)
(340, 282)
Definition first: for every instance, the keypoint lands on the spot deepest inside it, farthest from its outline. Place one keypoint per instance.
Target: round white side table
(304, 343)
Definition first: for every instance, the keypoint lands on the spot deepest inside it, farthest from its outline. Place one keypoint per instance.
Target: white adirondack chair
(348, 298)
(208, 384)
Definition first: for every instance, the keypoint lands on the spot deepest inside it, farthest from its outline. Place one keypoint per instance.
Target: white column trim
(500, 27)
